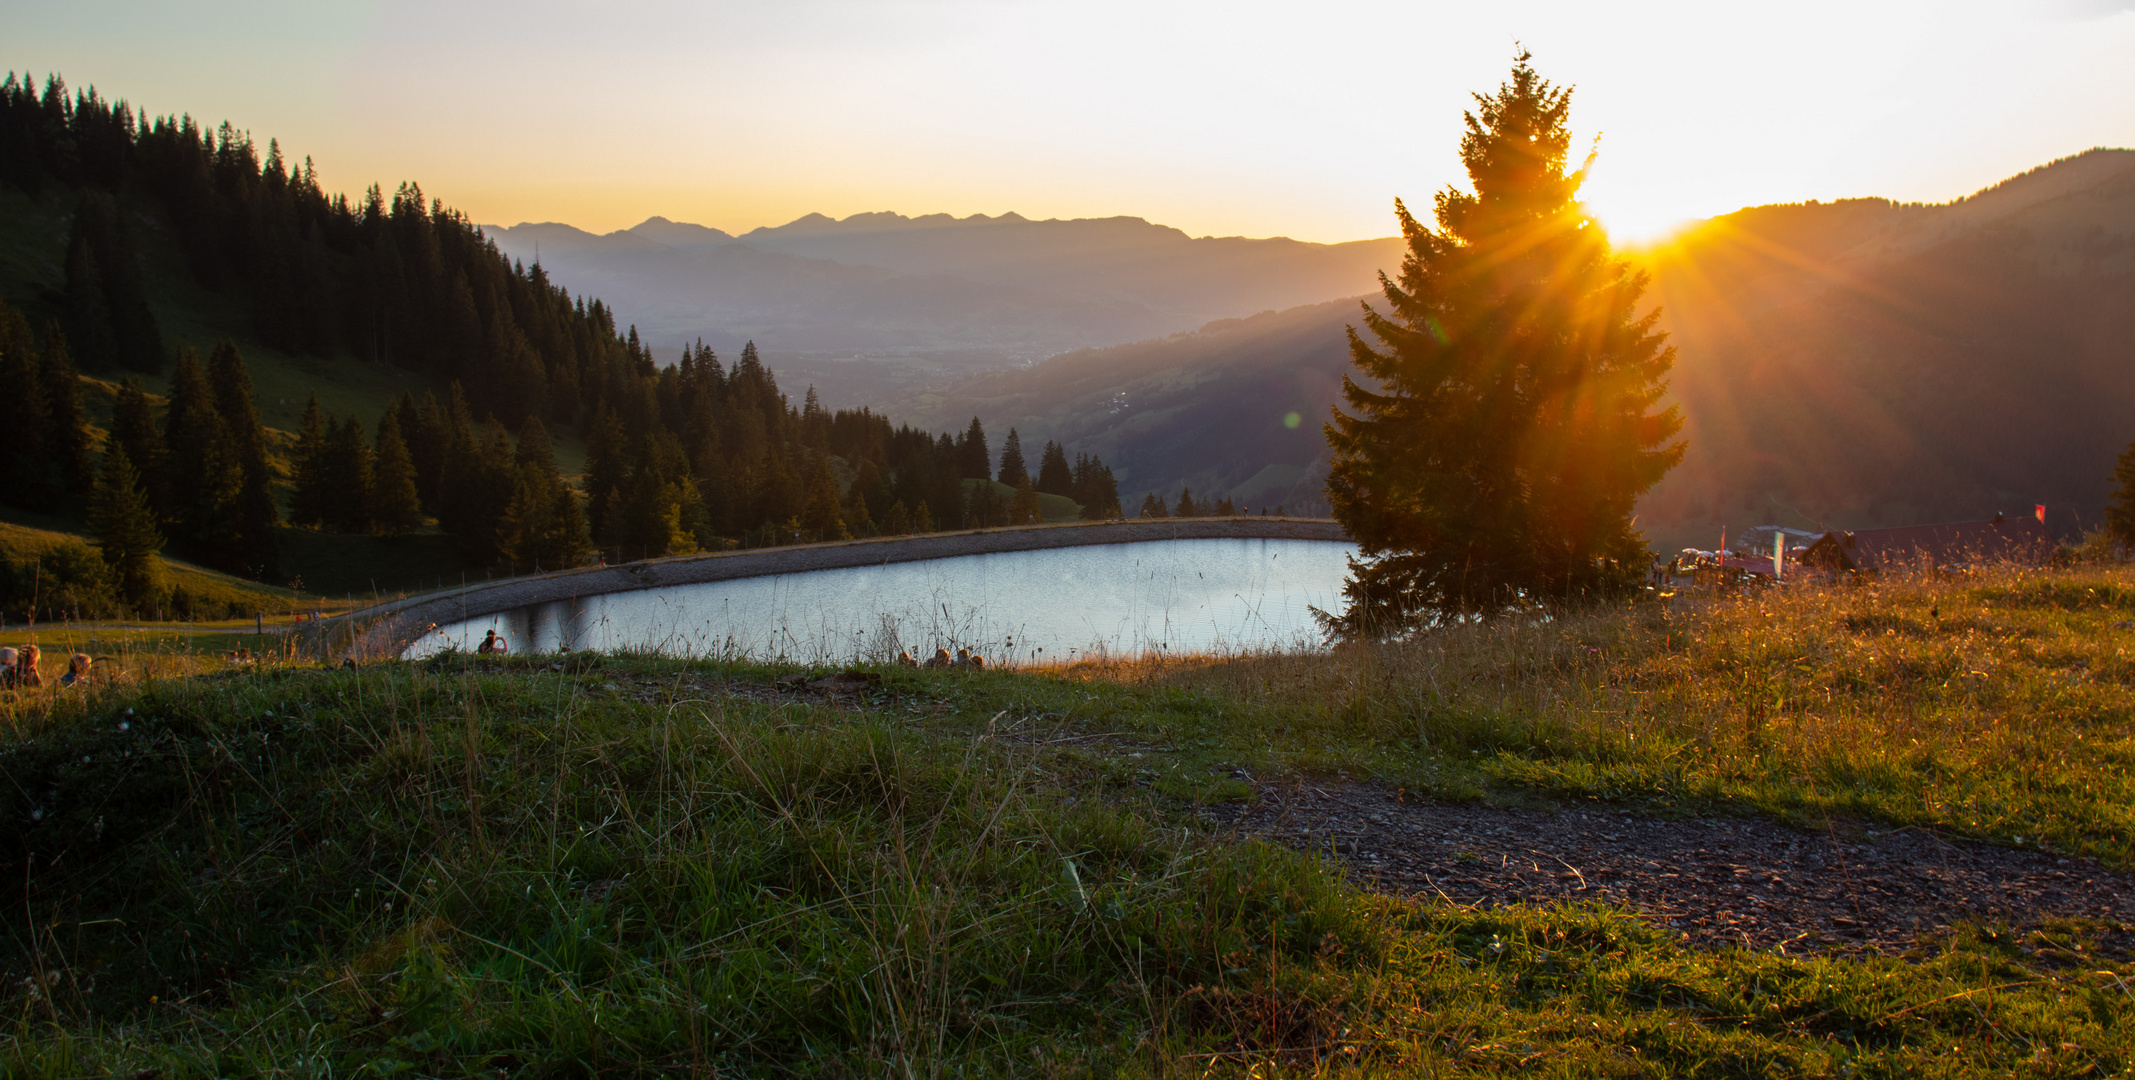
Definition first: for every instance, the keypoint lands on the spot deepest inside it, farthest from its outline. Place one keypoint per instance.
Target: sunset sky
(1237, 117)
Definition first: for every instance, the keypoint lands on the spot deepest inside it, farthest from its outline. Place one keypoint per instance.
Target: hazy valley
(879, 304)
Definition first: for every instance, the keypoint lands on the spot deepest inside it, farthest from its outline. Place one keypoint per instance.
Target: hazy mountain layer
(865, 306)
(1853, 363)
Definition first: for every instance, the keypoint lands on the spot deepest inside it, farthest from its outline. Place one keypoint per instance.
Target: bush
(64, 580)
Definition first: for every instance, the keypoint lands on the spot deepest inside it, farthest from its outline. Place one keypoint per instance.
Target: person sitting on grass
(26, 668)
(940, 659)
(77, 670)
(491, 645)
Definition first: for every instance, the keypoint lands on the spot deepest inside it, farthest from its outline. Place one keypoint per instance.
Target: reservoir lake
(1055, 605)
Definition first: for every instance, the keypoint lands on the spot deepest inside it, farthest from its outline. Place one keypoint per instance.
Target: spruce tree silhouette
(1506, 427)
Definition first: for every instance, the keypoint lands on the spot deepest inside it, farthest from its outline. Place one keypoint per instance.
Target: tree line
(398, 280)
(721, 459)
(700, 455)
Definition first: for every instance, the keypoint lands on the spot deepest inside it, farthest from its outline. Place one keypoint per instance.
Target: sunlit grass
(1996, 705)
(631, 865)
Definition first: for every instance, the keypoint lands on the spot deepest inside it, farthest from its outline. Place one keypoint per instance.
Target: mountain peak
(660, 230)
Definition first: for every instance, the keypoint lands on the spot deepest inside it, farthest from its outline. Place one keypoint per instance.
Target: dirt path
(1734, 880)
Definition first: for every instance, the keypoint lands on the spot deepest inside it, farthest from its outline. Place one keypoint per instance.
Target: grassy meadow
(624, 865)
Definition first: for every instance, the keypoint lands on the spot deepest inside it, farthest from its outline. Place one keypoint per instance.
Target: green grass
(334, 566)
(1051, 508)
(1999, 706)
(636, 865)
(19, 536)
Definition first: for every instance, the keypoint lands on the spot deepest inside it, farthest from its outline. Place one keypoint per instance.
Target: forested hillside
(165, 218)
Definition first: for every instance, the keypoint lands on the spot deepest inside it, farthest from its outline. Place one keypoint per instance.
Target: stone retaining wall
(386, 631)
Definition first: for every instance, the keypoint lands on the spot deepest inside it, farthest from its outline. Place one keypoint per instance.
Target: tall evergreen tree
(1024, 508)
(2120, 511)
(133, 429)
(125, 529)
(1186, 507)
(1013, 471)
(566, 542)
(897, 521)
(1095, 489)
(1153, 506)
(1055, 477)
(22, 412)
(308, 502)
(348, 478)
(1513, 427)
(607, 465)
(396, 507)
(256, 513)
(973, 459)
(202, 478)
(108, 316)
(820, 513)
(66, 431)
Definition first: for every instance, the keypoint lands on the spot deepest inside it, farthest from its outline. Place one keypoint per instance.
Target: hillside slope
(1232, 409)
(1865, 363)
(1847, 364)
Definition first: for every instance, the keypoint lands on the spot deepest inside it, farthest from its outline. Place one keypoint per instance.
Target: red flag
(2039, 512)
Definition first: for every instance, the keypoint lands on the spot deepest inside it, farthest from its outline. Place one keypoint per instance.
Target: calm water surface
(1176, 596)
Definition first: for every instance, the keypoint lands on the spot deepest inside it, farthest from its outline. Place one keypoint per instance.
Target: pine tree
(133, 429)
(348, 478)
(607, 464)
(898, 521)
(1153, 506)
(1499, 462)
(22, 412)
(255, 512)
(1224, 507)
(483, 483)
(1054, 475)
(1186, 506)
(396, 506)
(2120, 511)
(66, 431)
(1095, 489)
(973, 460)
(922, 521)
(308, 502)
(984, 509)
(820, 516)
(535, 449)
(566, 542)
(202, 479)
(88, 320)
(1013, 472)
(1023, 508)
(125, 529)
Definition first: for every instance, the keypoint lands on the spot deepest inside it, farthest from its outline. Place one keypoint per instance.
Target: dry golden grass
(1995, 704)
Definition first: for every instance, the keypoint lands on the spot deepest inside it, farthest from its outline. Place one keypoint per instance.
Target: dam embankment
(393, 628)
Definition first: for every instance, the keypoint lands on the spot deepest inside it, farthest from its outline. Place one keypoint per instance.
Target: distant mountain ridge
(1849, 364)
(865, 304)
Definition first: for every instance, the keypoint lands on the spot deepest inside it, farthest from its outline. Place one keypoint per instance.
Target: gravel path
(1733, 880)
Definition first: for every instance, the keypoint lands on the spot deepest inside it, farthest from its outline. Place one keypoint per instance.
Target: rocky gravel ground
(1715, 881)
